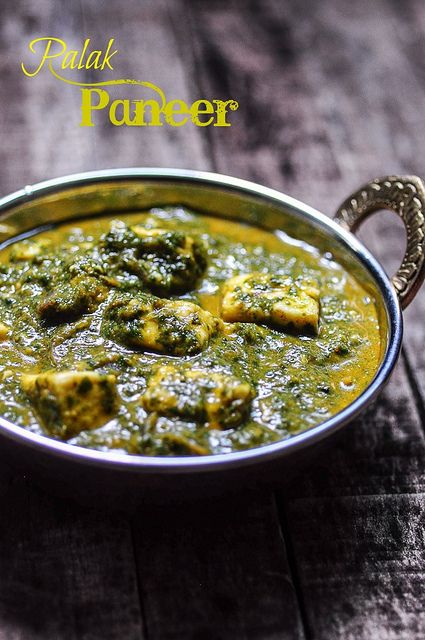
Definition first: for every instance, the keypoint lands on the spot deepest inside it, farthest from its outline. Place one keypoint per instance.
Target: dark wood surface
(331, 93)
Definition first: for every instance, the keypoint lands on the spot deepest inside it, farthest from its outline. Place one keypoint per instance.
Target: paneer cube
(174, 327)
(5, 332)
(218, 400)
(68, 402)
(280, 302)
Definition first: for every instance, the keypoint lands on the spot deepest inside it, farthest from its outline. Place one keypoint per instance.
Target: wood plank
(197, 575)
(148, 51)
(66, 572)
(361, 571)
(359, 574)
(217, 569)
(408, 24)
(321, 92)
(302, 140)
(39, 118)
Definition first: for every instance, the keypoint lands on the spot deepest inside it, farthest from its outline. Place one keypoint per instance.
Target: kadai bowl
(169, 331)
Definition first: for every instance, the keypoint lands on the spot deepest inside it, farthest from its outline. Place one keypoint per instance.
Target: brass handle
(405, 195)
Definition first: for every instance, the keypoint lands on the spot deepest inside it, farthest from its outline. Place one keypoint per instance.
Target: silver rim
(182, 465)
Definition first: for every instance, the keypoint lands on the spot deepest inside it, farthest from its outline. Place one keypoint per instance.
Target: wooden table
(331, 93)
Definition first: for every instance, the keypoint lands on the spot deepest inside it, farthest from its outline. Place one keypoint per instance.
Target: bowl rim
(224, 461)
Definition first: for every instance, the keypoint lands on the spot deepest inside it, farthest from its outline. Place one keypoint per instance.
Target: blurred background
(331, 94)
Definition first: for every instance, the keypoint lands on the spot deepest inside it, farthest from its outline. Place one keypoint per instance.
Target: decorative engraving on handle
(405, 195)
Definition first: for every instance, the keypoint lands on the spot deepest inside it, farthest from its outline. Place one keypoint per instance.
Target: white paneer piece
(68, 402)
(179, 327)
(173, 327)
(280, 302)
(218, 400)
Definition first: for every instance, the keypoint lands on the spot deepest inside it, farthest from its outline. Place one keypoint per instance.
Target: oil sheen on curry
(173, 333)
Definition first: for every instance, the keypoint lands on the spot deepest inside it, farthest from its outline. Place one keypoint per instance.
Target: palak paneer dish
(173, 333)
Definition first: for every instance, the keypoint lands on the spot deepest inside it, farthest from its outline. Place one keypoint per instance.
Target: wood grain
(65, 572)
(216, 570)
(270, 601)
(361, 571)
(39, 116)
(195, 577)
(147, 49)
(339, 554)
(327, 93)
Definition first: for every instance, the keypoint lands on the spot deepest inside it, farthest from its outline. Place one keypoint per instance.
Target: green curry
(172, 333)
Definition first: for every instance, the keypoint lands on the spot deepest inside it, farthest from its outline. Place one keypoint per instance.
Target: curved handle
(405, 195)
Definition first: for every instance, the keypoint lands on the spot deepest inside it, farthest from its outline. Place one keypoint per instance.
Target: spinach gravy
(173, 333)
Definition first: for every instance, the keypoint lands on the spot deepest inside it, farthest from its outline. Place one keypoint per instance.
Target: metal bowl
(100, 476)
